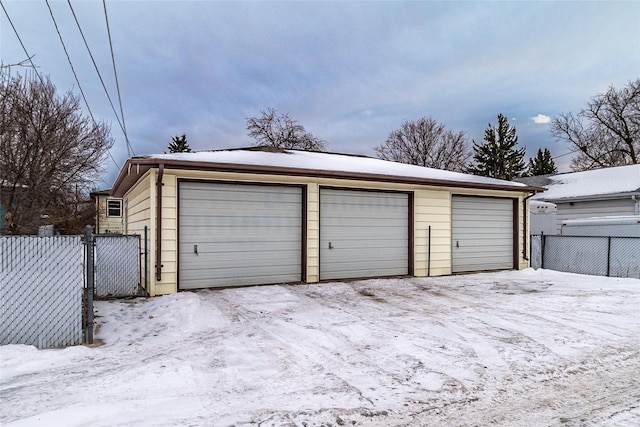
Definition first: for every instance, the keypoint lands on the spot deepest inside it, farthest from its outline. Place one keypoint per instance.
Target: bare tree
(607, 132)
(426, 143)
(50, 154)
(281, 131)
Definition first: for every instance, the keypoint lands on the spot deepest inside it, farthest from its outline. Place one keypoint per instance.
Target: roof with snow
(599, 183)
(267, 160)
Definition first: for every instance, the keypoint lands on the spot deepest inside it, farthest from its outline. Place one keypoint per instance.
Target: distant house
(263, 216)
(595, 193)
(543, 217)
(109, 214)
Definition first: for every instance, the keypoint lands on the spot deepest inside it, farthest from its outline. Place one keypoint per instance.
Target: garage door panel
(368, 232)
(215, 255)
(373, 245)
(245, 234)
(482, 233)
(237, 208)
(228, 260)
(238, 277)
(240, 234)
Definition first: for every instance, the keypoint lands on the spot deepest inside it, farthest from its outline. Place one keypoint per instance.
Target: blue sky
(350, 72)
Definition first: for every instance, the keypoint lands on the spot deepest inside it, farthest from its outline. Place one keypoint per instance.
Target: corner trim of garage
(516, 234)
(411, 223)
(305, 224)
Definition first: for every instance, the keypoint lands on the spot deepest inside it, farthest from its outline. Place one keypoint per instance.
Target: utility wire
(73, 70)
(566, 154)
(29, 57)
(75, 75)
(98, 71)
(115, 73)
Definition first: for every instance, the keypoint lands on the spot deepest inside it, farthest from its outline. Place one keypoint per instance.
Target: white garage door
(363, 234)
(482, 233)
(238, 234)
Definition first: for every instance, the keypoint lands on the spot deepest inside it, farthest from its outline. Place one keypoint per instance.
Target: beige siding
(138, 215)
(169, 260)
(104, 223)
(313, 233)
(432, 207)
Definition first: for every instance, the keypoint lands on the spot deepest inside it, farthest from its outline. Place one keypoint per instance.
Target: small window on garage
(114, 208)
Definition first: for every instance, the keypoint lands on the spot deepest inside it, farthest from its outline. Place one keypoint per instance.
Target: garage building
(262, 215)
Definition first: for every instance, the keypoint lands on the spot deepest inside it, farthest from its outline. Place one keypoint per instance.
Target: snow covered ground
(511, 348)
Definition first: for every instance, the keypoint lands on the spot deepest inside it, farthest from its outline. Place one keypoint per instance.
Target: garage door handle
(195, 249)
(330, 245)
(457, 244)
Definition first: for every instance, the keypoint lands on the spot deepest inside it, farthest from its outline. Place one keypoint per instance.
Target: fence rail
(594, 255)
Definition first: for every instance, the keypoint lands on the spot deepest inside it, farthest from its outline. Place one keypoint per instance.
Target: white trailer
(619, 226)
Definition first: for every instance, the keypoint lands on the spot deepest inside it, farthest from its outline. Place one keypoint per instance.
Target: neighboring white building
(109, 213)
(543, 217)
(595, 193)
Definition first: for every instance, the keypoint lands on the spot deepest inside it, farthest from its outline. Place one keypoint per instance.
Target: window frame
(110, 207)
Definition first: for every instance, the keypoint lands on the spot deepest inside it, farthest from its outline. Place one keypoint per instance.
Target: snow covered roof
(309, 163)
(596, 183)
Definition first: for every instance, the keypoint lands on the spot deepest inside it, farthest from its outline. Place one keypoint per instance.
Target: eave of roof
(135, 167)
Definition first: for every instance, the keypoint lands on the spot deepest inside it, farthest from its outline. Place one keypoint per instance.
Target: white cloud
(541, 119)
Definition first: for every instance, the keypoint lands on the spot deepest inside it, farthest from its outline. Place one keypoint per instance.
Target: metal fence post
(542, 238)
(609, 256)
(89, 247)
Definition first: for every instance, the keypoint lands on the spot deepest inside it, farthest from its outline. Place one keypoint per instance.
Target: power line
(73, 70)
(115, 73)
(75, 75)
(29, 57)
(99, 75)
(566, 154)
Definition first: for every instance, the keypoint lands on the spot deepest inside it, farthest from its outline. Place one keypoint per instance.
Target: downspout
(525, 213)
(97, 215)
(159, 185)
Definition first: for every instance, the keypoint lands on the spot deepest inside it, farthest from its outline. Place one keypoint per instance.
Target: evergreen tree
(498, 156)
(541, 164)
(179, 144)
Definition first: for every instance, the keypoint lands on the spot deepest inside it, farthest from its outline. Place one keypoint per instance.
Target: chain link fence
(593, 255)
(41, 287)
(117, 265)
(47, 285)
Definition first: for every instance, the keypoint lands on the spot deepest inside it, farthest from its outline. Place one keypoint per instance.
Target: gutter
(159, 185)
(125, 180)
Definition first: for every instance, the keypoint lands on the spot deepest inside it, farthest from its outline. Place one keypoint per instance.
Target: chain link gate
(117, 265)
